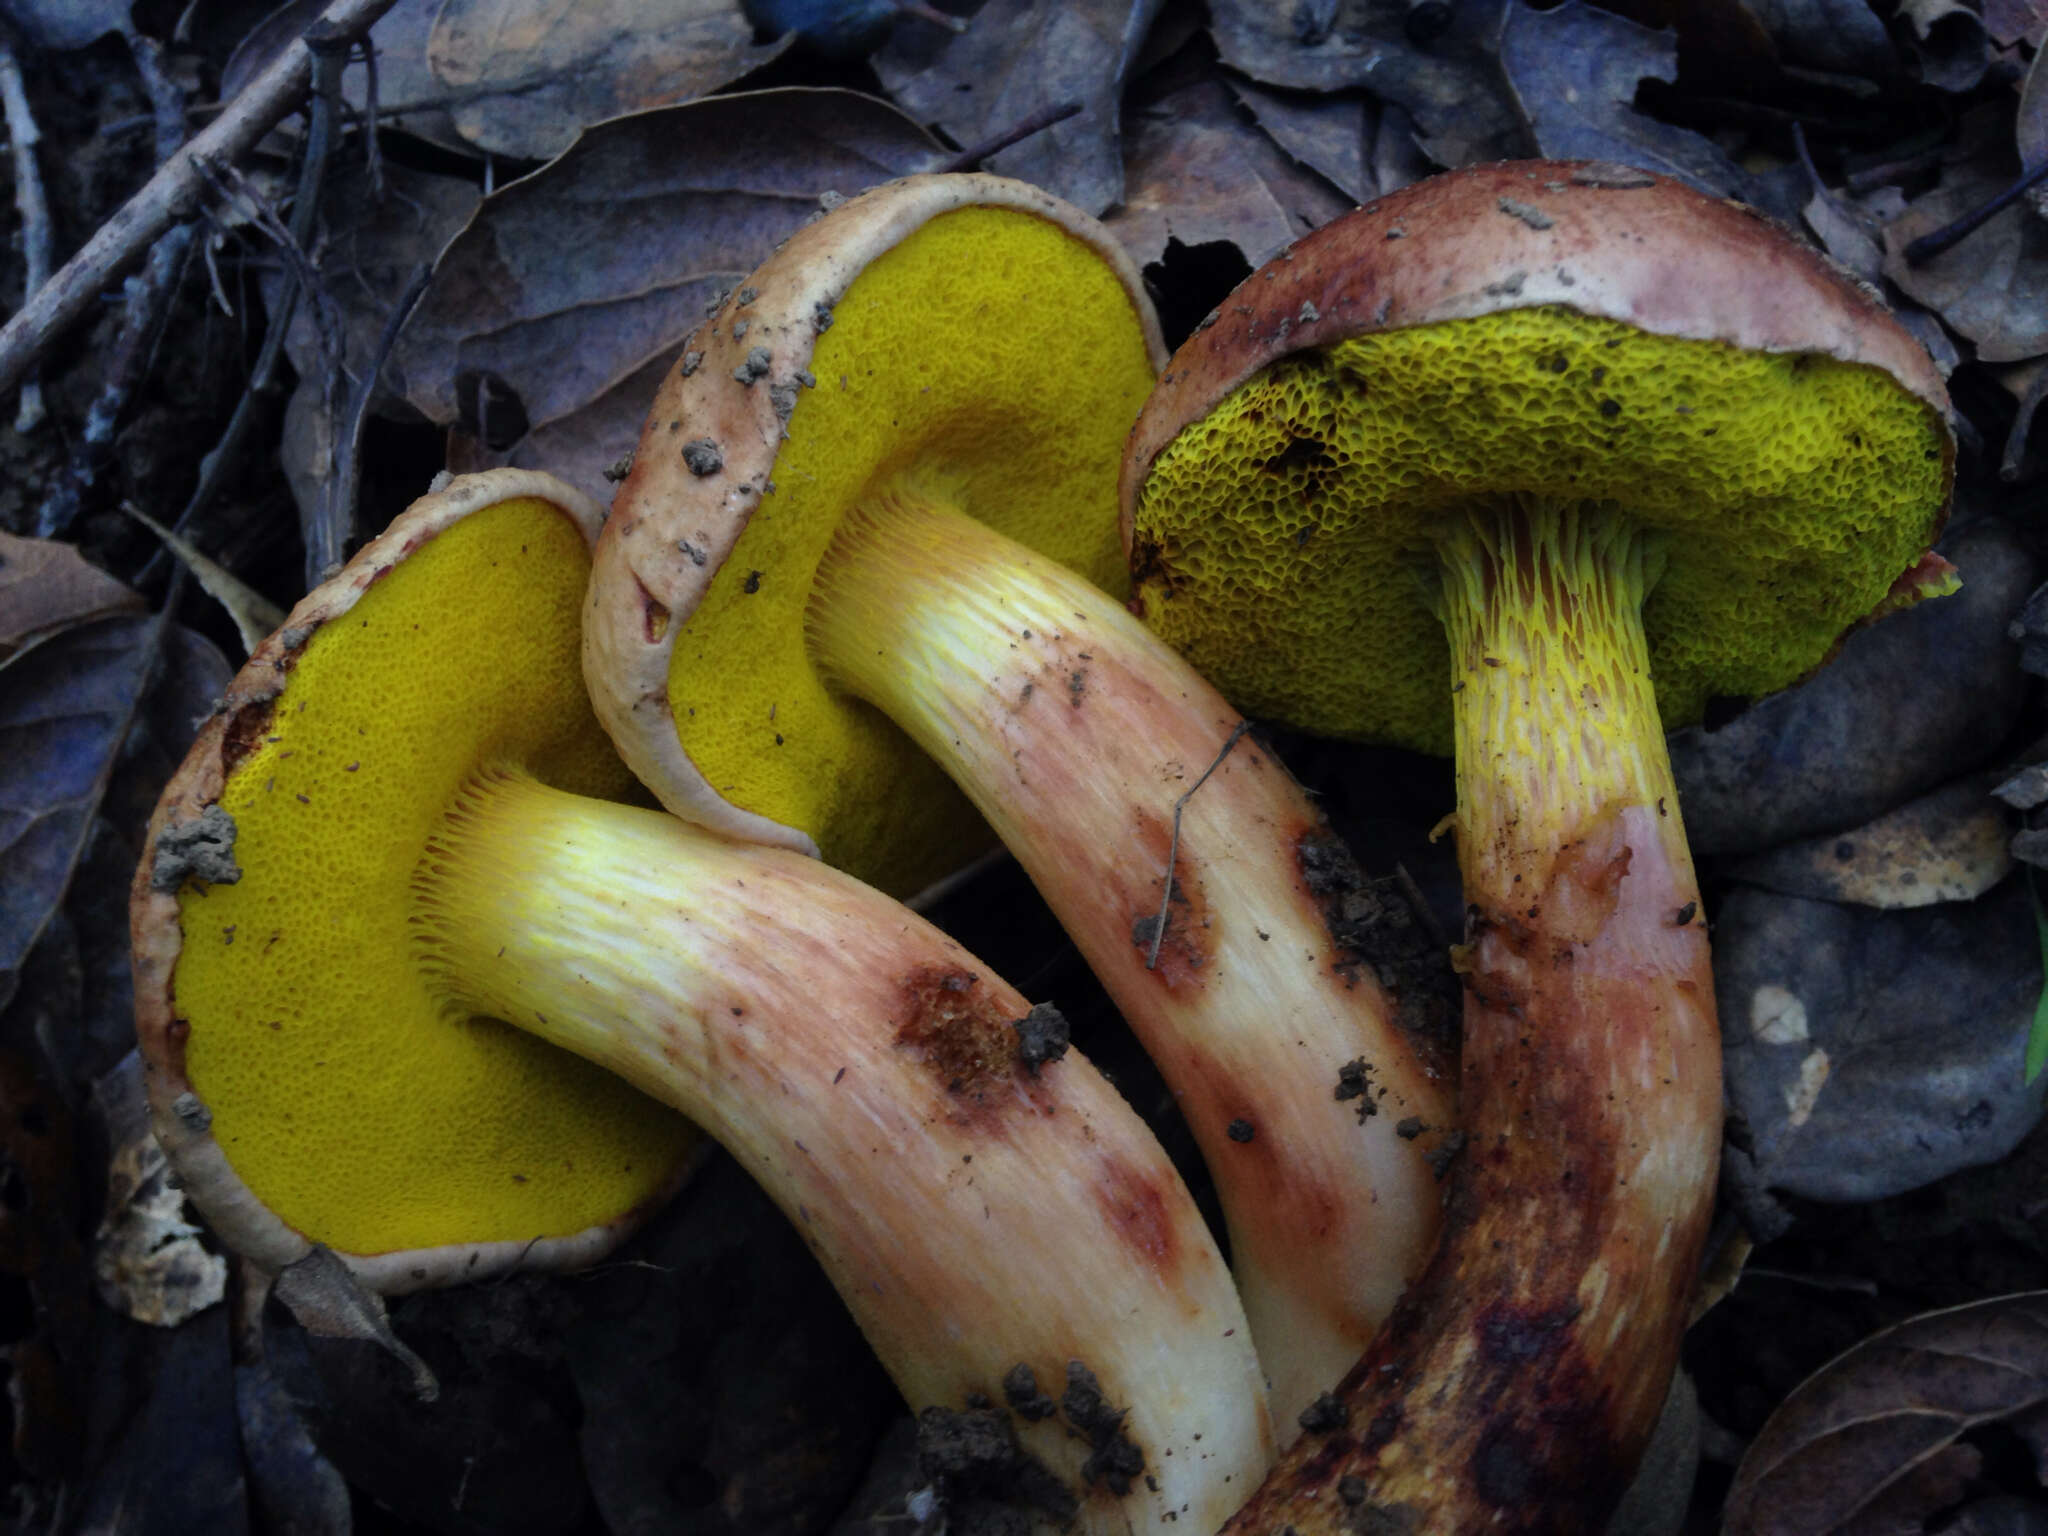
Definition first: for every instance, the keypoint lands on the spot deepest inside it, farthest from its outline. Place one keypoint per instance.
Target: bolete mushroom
(1473, 465)
(864, 550)
(391, 890)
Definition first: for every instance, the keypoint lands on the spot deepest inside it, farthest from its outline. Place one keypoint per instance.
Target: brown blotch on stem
(967, 1042)
(1185, 947)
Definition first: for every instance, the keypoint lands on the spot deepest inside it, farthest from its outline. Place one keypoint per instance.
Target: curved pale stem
(1081, 737)
(1515, 1389)
(976, 1216)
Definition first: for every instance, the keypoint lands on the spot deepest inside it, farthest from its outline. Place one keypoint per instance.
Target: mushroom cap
(1574, 331)
(968, 331)
(304, 1078)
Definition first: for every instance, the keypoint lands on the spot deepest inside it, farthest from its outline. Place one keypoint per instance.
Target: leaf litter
(581, 180)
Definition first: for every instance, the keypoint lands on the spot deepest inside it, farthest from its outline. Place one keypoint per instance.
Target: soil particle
(1042, 1036)
(201, 849)
(1020, 1391)
(987, 1482)
(1354, 1081)
(703, 457)
(1326, 1415)
(1241, 1130)
(755, 367)
(1372, 925)
(1113, 1459)
(1446, 1153)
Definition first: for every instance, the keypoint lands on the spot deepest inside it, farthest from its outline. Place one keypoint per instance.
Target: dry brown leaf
(526, 77)
(1451, 87)
(569, 281)
(1871, 1441)
(2016, 21)
(513, 77)
(46, 586)
(1200, 173)
(1326, 133)
(1950, 845)
(585, 447)
(1019, 57)
(1992, 286)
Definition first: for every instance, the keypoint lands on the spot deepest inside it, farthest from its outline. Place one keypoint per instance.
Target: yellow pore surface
(1285, 541)
(990, 352)
(359, 1106)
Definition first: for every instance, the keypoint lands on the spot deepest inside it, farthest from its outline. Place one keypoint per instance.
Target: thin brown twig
(334, 524)
(169, 196)
(972, 156)
(1173, 846)
(33, 206)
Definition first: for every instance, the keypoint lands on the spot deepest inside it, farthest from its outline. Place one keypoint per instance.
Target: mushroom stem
(990, 1223)
(1513, 1390)
(1078, 734)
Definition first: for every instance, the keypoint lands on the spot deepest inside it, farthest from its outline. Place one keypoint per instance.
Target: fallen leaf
(67, 25)
(2030, 117)
(1910, 702)
(1326, 133)
(254, 615)
(1843, 37)
(514, 78)
(1991, 286)
(46, 585)
(1850, 228)
(149, 1259)
(1872, 1441)
(525, 78)
(1020, 57)
(2016, 21)
(1200, 173)
(1950, 845)
(573, 279)
(1949, 40)
(66, 704)
(409, 99)
(1452, 88)
(584, 447)
(1573, 72)
(1874, 1052)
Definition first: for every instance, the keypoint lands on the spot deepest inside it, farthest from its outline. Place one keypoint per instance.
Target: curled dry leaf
(527, 78)
(1020, 57)
(1328, 134)
(1872, 1441)
(1452, 87)
(1872, 1052)
(148, 1258)
(568, 286)
(1991, 286)
(1573, 73)
(46, 586)
(1949, 845)
(1949, 40)
(1200, 173)
(510, 77)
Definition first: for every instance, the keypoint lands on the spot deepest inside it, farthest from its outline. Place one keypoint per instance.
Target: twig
(169, 195)
(31, 204)
(1931, 245)
(334, 523)
(147, 296)
(1173, 846)
(1037, 122)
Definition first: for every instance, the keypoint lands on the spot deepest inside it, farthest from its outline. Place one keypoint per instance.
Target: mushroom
(391, 890)
(1469, 467)
(864, 550)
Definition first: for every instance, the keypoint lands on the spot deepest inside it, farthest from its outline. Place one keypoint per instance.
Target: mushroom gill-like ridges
(315, 1007)
(1330, 468)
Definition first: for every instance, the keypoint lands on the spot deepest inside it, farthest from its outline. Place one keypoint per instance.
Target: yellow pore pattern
(1285, 541)
(990, 352)
(355, 1102)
